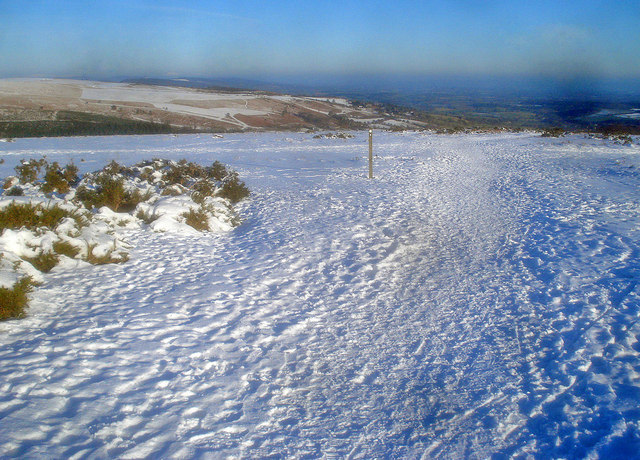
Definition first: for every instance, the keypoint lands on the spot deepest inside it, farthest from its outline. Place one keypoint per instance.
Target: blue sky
(106, 38)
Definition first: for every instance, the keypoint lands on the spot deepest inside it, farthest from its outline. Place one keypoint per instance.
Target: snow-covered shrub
(29, 170)
(65, 222)
(107, 191)
(33, 216)
(10, 182)
(44, 261)
(13, 300)
(197, 218)
(234, 189)
(217, 171)
(99, 256)
(338, 135)
(182, 173)
(65, 248)
(57, 179)
(107, 188)
(15, 191)
(186, 173)
(203, 189)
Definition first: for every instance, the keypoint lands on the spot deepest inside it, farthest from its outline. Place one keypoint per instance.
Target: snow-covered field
(478, 298)
(41, 98)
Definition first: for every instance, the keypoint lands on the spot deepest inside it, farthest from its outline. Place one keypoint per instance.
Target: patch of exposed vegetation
(14, 300)
(57, 179)
(109, 190)
(234, 189)
(197, 218)
(553, 132)
(15, 191)
(44, 261)
(108, 257)
(28, 171)
(66, 249)
(33, 216)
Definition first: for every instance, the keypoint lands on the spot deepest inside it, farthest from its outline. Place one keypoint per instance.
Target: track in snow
(478, 298)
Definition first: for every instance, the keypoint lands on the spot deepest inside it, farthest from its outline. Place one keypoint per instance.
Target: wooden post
(371, 154)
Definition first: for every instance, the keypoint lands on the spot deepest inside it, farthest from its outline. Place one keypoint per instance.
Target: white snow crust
(477, 299)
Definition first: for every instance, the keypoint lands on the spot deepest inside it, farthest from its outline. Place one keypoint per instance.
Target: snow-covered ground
(478, 298)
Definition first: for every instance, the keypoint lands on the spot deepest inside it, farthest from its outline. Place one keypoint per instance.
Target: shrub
(65, 248)
(70, 173)
(113, 168)
(197, 218)
(176, 174)
(29, 170)
(132, 199)
(44, 261)
(202, 189)
(14, 300)
(146, 217)
(234, 189)
(55, 179)
(173, 190)
(109, 192)
(185, 172)
(217, 171)
(88, 197)
(30, 216)
(623, 139)
(15, 191)
(108, 258)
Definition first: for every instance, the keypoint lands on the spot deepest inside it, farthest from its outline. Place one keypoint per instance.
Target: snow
(479, 298)
(174, 99)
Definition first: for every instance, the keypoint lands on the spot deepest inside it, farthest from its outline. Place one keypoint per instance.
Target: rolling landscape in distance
(49, 107)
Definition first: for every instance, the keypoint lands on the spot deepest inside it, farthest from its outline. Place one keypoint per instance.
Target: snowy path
(480, 297)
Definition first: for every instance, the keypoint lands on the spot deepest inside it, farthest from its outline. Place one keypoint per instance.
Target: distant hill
(217, 84)
(49, 107)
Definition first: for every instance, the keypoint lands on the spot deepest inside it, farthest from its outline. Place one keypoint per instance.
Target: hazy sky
(109, 38)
